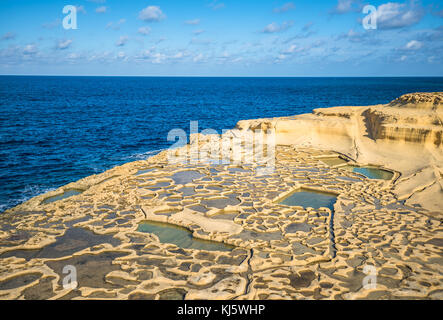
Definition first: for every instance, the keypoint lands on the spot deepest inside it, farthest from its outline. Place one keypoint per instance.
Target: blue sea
(55, 130)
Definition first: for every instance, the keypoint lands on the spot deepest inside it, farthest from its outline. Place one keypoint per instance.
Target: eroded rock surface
(276, 251)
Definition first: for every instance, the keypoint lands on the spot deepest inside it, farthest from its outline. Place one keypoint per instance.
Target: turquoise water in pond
(64, 195)
(307, 198)
(371, 172)
(315, 199)
(182, 237)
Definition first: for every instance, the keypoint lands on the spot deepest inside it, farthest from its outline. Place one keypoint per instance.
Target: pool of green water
(64, 195)
(308, 198)
(187, 176)
(371, 172)
(333, 161)
(182, 237)
(315, 199)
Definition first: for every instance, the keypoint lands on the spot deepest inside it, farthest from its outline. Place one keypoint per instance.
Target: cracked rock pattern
(275, 251)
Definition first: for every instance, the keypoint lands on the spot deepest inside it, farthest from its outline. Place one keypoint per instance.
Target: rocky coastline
(271, 250)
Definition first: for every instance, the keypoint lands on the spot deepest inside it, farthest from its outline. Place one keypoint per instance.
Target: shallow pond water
(19, 281)
(309, 198)
(184, 177)
(64, 195)
(315, 199)
(182, 237)
(144, 171)
(333, 161)
(74, 240)
(221, 203)
(91, 268)
(371, 172)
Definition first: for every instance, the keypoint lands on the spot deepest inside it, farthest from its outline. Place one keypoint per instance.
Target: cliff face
(408, 125)
(405, 135)
(410, 118)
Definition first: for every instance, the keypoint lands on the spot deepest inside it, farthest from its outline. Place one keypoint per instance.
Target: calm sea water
(55, 130)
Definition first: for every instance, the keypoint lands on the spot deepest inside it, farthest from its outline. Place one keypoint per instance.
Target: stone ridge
(433, 100)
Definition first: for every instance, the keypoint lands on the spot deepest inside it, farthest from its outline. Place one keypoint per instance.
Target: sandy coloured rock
(251, 246)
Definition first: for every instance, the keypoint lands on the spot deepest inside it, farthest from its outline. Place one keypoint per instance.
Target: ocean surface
(55, 130)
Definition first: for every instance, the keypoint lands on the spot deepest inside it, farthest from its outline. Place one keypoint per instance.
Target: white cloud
(296, 49)
(293, 48)
(360, 37)
(101, 9)
(199, 58)
(345, 6)
(121, 41)
(180, 55)
(433, 35)
(73, 56)
(102, 57)
(215, 5)
(274, 27)
(393, 15)
(144, 30)
(414, 45)
(154, 57)
(197, 32)
(354, 36)
(63, 44)
(151, 14)
(30, 49)
(121, 55)
(192, 22)
(285, 8)
(158, 58)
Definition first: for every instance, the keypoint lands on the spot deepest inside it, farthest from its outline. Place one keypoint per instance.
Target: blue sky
(222, 38)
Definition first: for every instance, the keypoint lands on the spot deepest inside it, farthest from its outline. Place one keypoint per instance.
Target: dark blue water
(54, 130)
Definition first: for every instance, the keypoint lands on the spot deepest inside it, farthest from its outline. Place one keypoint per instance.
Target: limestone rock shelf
(404, 135)
(275, 250)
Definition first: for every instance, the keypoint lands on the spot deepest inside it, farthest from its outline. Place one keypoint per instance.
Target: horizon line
(216, 76)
